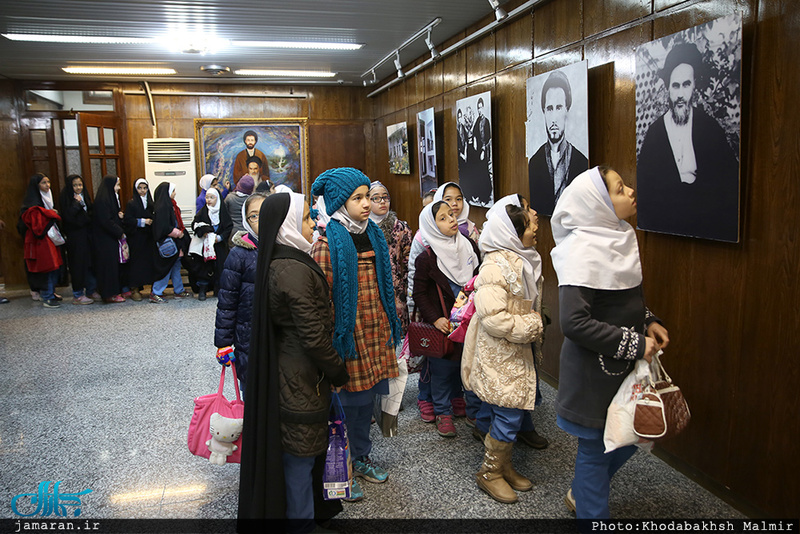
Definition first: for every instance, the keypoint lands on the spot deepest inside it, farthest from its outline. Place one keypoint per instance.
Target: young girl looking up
(355, 258)
(449, 262)
(498, 362)
(605, 322)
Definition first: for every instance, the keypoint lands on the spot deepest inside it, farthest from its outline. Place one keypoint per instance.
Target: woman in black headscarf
(76, 215)
(107, 231)
(291, 370)
(168, 226)
(138, 221)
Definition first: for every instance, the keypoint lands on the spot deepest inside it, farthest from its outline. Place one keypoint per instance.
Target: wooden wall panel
(14, 185)
(434, 80)
(481, 58)
(731, 309)
(339, 144)
(557, 24)
(513, 43)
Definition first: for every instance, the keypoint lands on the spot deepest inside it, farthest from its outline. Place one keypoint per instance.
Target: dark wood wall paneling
(731, 309)
(14, 184)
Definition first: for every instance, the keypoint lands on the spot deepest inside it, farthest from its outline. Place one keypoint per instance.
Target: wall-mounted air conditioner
(172, 160)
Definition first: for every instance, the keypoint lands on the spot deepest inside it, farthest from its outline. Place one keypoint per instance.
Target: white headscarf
(454, 255)
(501, 204)
(205, 181)
(282, 188)
(377, 219)
(213, 211)
(291, 230)
(323, 218)
(136, 186)
(47, 198)
(463, 217)
(594, 248)
(499, 234)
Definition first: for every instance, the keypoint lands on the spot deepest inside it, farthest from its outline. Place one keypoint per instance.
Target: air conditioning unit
(173, 160)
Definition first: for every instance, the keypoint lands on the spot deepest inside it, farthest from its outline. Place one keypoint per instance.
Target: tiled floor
(100, 397)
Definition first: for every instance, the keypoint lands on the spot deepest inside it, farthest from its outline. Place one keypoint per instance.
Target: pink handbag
(204, 407)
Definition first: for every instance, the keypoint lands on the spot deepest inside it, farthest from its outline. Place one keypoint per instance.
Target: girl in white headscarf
(450, 261)
(398, 236)
(605, 322)
(452, 194)
(498, 361)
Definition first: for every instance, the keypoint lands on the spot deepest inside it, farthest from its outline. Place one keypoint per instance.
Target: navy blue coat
(235, 300)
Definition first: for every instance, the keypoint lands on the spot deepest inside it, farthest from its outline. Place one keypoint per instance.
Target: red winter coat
(41, 255)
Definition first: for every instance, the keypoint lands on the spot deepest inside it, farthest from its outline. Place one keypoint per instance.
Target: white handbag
(55, 235)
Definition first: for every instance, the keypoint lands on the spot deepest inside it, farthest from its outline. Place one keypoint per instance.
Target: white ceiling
(381, 25)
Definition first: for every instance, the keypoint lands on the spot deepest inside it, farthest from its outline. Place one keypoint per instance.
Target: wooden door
(101, 151)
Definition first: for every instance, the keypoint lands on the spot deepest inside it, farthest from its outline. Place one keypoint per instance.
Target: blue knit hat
(336, 186)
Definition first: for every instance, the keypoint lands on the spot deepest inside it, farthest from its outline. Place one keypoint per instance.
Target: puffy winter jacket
(235, 300)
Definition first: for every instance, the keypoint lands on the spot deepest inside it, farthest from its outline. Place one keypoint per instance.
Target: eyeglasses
(252, 218)
(379, 200)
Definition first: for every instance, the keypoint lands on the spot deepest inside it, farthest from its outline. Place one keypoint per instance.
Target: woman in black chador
(76, 218)
(291, 368)
(107, 231)
(138, 223)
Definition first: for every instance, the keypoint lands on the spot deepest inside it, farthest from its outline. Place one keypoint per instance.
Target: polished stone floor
(99, 397)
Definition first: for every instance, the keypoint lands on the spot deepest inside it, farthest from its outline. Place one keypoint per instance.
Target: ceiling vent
(215, 70)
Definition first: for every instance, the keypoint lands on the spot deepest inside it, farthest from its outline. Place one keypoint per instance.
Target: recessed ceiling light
(143, 71)
(92, 39)
(311, 45)
(285, 73)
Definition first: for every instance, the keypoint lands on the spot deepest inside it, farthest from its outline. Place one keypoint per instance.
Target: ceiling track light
(499, 12)
(435, 55)
(398, 66)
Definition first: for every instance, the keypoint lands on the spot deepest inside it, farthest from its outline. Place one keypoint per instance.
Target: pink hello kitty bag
(204, 407)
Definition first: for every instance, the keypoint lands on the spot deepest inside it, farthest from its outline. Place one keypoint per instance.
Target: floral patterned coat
(398, 237)
(497, 362)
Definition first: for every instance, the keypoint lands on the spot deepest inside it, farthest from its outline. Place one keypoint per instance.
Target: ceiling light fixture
(285, 73)
(90, 39)
(306, 45)
(499, 12)
(122, 71)
(398, 66)
(434, 53)
(215, 70)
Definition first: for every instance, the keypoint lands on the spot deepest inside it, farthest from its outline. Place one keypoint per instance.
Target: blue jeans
(91, 286)
(474, 404)
(445, 384)
(506, 422)
(593, 470)
(177, 282)
(425, 382)
(299, 493)
(49, 291)
(358, 416)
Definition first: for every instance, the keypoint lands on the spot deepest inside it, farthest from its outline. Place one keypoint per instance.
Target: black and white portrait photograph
(426, 148)
(397, 136)
(557, 133)
(474, 129)
(688, 115)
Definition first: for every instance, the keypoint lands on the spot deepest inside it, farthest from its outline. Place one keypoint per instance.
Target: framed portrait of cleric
(397, 136)
(688, 115)
(474, 136)
(267, 149)
(556, 132)
(426, 150)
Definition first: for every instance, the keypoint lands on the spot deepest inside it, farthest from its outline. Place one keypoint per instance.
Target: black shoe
(532, 439)
(52, 303)
(57, 297)
(201, 295)
(4, 300)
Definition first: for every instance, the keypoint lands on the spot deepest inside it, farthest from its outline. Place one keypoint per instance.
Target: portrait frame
(426, 151)
(570, 129)
(475, 156)
(284, 142)
(694, 188)
(397, 139)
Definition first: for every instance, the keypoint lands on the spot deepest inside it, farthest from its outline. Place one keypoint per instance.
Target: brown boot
(514, 479)
(490, 477)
